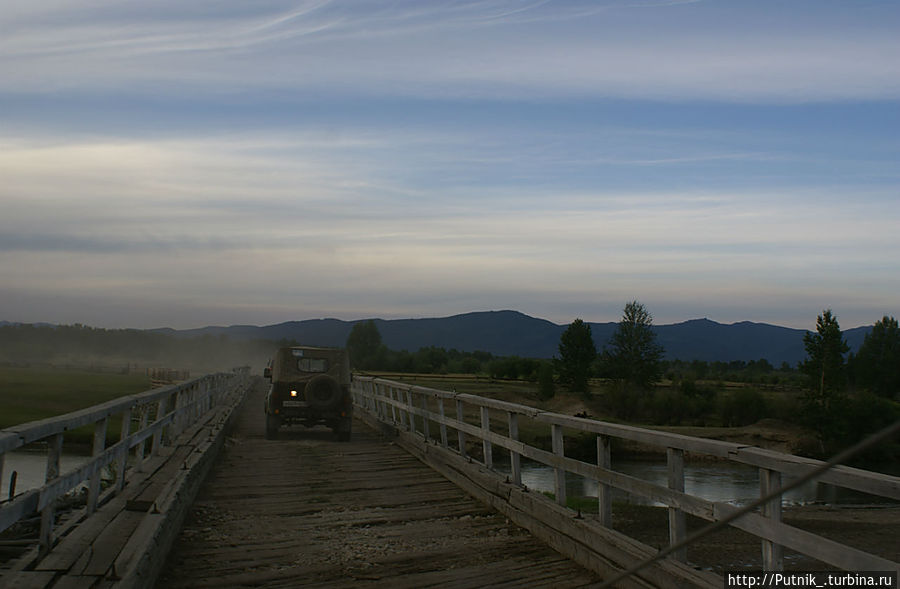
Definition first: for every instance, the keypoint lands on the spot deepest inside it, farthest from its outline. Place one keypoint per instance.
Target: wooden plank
(843, 476)
(677, 521)
(772, 554)
(133, 549)
(75, 545)
(106, 547)
(515, 459)
(76, 582)
(48, 509)
(100, 428)
(443, 426)
(148, 495)
(559, 473)
(122, 463)
(486, 448)
(604, 490)
(9, 441)
(27, 579)
(460, 432)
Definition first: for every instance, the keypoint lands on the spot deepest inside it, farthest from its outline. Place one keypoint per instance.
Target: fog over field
(190, 164)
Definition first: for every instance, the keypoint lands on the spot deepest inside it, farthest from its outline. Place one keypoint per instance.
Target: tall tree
(825, 369)
(576, 354)
(825, 349)
(634, 356)
(877, 365)
(364, 344)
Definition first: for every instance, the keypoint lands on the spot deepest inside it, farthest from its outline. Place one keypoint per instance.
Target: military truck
(310, 386)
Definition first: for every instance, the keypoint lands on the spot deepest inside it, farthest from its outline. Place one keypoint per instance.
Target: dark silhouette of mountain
(509, 333)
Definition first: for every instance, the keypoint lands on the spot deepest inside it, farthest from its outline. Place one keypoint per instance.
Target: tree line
(842, 396)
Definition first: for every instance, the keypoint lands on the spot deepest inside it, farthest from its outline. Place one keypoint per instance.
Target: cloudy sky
(183, 164)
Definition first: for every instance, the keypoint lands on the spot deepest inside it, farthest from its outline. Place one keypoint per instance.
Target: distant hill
(508, 333)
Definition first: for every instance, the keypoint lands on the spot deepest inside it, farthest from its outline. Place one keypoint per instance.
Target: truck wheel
(271, 427)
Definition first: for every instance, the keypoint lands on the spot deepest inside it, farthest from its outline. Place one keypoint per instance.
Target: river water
(30, 468)
(725, 482)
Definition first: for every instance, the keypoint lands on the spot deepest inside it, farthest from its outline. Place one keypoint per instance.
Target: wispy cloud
(495, 49)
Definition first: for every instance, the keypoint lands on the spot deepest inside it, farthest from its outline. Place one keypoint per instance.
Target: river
(726, 482)
(30, 468)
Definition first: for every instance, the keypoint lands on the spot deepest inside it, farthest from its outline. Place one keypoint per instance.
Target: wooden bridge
(306, 510)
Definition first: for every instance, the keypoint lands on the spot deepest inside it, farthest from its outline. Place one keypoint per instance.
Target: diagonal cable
(841, 457)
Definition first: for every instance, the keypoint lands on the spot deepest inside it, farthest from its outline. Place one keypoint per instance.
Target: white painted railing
(424, 412)
(156, 416)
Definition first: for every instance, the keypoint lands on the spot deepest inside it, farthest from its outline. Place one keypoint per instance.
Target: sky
(184, 164)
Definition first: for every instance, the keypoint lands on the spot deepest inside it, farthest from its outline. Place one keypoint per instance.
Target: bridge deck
(306, 510)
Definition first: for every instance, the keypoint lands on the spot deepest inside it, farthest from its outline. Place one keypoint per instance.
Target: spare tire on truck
(323, 391)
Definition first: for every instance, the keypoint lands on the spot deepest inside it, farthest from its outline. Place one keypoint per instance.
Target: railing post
(515, 460)
(179, 415)
(559, 449)
(158, 434)
(772, 553)
(397, 395)
(209, 388)
(393, 407)
(48, 514)
(426, 429)
(677, 525)
(99, 446)
(378, 399)
(487, 449)
(443, 425)
(604, 491)
(409, 414)
(460, 435)
(139, 451)
(122, 460)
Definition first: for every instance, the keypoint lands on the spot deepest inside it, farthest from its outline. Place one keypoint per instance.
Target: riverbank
(769, 433)
(872, 529)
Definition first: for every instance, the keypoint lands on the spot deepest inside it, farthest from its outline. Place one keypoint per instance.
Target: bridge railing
(149, 420)
(456, 420)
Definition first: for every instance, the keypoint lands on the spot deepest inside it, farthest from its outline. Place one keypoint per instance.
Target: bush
(744, 407)
(546, 386)
(623, 401)
(669, 407)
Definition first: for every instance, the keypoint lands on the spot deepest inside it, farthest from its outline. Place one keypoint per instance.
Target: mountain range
(511, 333)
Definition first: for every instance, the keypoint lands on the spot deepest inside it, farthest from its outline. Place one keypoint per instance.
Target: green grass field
(29, 394)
